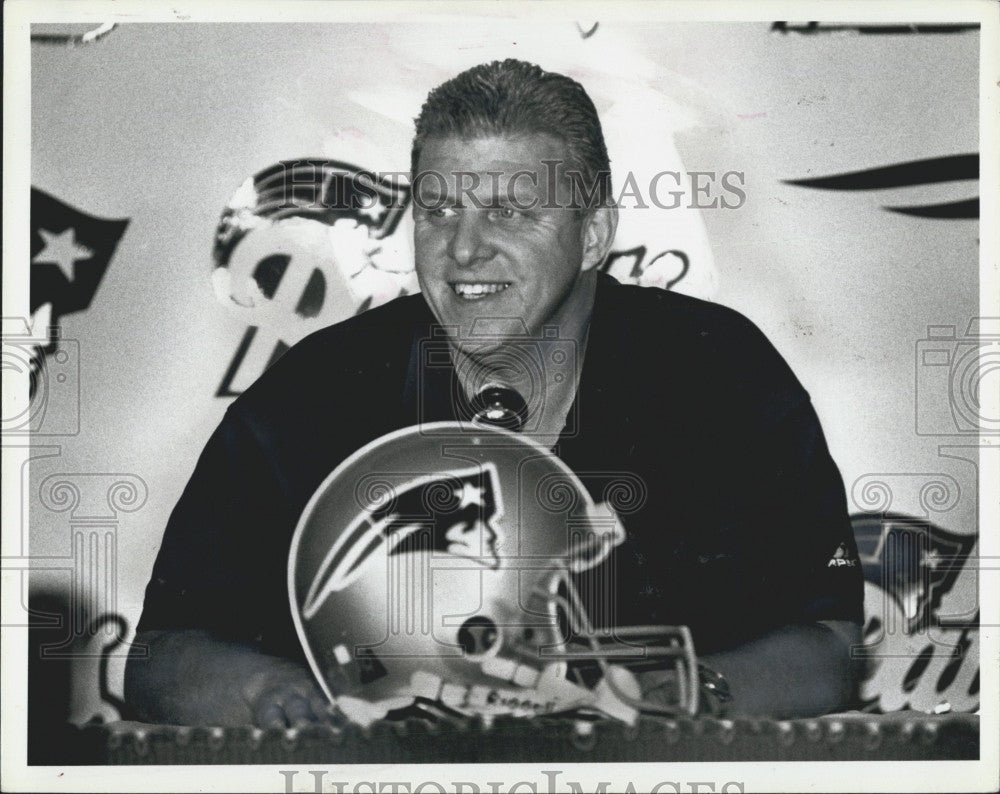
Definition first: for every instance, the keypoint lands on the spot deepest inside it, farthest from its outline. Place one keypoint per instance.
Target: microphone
(499, 406)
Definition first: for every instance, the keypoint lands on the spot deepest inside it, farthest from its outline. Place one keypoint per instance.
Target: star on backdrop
(70, 252)
(62, 249)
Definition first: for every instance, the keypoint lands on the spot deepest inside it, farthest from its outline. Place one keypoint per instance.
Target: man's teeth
(472, 291)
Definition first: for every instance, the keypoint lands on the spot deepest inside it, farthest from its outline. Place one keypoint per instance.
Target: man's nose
(469, 244)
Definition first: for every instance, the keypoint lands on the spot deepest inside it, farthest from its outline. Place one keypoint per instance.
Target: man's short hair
(514, 97)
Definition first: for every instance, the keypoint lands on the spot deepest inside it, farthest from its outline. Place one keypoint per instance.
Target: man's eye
(504, 213)
(440, 212)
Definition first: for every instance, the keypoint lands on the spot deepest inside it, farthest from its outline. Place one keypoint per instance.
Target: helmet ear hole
(479, 636)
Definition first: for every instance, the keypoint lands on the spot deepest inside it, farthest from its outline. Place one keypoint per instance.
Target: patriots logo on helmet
(450, 513)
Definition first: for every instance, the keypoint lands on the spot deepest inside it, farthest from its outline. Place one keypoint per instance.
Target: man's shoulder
(393, 319)
(710, 352)
(645, 310)
(369, 345)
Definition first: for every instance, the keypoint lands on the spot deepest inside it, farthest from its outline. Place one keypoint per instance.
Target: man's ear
(598, 235)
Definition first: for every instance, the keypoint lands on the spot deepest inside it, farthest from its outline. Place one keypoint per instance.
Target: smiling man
(502, 255)
(737, 508)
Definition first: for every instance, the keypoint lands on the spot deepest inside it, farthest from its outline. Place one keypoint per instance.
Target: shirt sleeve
(772, 544)
(818, 570)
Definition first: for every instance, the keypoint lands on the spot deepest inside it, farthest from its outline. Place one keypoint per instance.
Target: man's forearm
(194, 678)
(191, 677)
(798, 670)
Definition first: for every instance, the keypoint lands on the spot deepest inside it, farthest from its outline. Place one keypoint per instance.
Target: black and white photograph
(501, 397)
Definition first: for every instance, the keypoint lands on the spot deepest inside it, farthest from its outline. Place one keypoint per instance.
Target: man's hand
(286, 695)
(194, 678)
(659, 687)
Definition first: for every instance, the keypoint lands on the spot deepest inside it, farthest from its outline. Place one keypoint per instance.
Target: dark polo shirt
(738, 508)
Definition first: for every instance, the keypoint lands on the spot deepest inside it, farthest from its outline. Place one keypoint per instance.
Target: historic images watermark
(519, 190)
(954, 375)
(498, 350)
(548, 782)
(50, 364)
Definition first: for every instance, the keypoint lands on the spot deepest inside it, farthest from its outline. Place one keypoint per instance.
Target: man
(743, 507)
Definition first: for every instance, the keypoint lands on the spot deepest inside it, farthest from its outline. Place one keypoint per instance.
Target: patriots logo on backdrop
(452, 513)
(814, 27)
(641, 266)
(921, 633)
(914, 561)
(321, 190)
(910, 174)
(304, 244)
(70, 253)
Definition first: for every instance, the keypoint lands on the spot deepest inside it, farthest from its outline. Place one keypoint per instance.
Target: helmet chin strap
(551, 693)
(366, 712)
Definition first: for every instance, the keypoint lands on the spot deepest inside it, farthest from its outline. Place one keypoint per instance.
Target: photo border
(811, 776)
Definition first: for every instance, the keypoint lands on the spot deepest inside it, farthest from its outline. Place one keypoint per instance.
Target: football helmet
(440, 567)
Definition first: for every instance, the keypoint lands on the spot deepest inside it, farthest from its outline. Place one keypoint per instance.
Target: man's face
(495, 239)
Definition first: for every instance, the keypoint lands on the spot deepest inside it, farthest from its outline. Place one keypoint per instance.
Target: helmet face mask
(438, 569)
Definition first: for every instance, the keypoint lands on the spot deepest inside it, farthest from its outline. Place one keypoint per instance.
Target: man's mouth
(477, 290)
